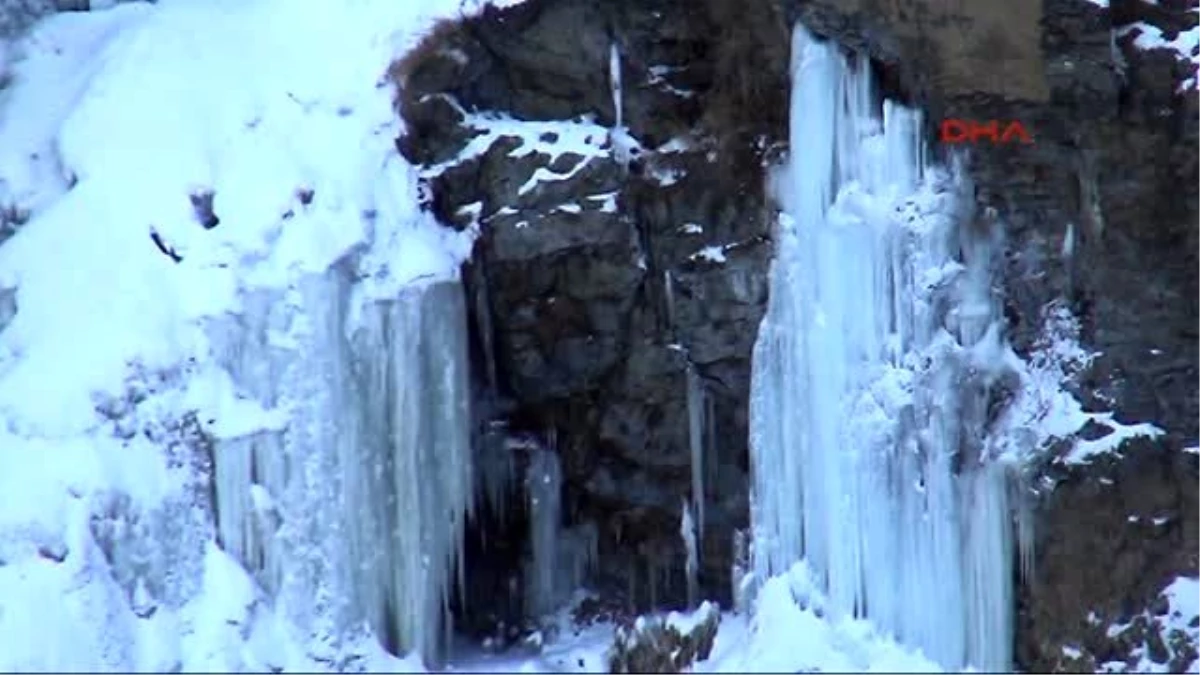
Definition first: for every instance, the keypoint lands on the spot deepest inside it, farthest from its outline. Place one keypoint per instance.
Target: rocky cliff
(612, 156)
(621, 272)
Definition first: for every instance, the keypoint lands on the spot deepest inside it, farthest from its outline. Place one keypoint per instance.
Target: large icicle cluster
(355, 511)
(873, 374)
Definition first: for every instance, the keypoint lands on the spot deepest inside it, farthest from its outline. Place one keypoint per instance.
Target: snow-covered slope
(117, 126)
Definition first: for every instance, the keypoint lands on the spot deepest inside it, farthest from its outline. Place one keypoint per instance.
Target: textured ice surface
(871, 378)
(355, 508)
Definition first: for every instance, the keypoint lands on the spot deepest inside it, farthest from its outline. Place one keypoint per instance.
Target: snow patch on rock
(1164, 643)
(1185, 45)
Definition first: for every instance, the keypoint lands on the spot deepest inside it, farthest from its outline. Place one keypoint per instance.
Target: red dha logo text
(970, 131)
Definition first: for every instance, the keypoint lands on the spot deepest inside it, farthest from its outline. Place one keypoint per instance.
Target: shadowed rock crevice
(614, 259)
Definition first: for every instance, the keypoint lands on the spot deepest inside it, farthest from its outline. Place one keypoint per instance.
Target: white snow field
(240, 443)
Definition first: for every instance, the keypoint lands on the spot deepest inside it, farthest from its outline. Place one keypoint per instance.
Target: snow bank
(790, 632)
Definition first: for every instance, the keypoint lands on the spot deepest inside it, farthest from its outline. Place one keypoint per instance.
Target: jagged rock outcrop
(613, 260)
(657, 645)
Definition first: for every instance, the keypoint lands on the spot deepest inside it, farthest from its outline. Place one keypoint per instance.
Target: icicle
(857, 409)
(624, 146)
(236, 524)
(544, 485)
(653, 573)
(251, 467)
(580, 552)
(415, 447)
(1024, 522)
(687, 530)
(742, 573)
(988, 566)
(483, 310)
(696, 405)
(631, 586)
(669, 292)
(496, 470)
(1089, 194)
(614, 78)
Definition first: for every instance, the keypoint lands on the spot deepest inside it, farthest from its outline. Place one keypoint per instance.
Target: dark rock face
(1112, 535)
(599, 291)
(611, 262)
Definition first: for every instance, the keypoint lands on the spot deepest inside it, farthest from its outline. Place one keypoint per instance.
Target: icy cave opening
(354, 512)
(874, 374)
(389, 502)
(524, 559)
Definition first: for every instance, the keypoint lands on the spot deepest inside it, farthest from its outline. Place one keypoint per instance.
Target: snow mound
(790, 632)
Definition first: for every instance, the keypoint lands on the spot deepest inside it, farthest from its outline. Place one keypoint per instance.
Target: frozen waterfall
(872, 377)
(354, 510)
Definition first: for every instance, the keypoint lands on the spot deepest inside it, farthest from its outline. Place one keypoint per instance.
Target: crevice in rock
(490, 608)
(577, 291)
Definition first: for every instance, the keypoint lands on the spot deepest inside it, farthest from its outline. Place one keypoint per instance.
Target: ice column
(871, 376)
(353, 511)
(614, 78)
(543, 484)
(687, 530)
